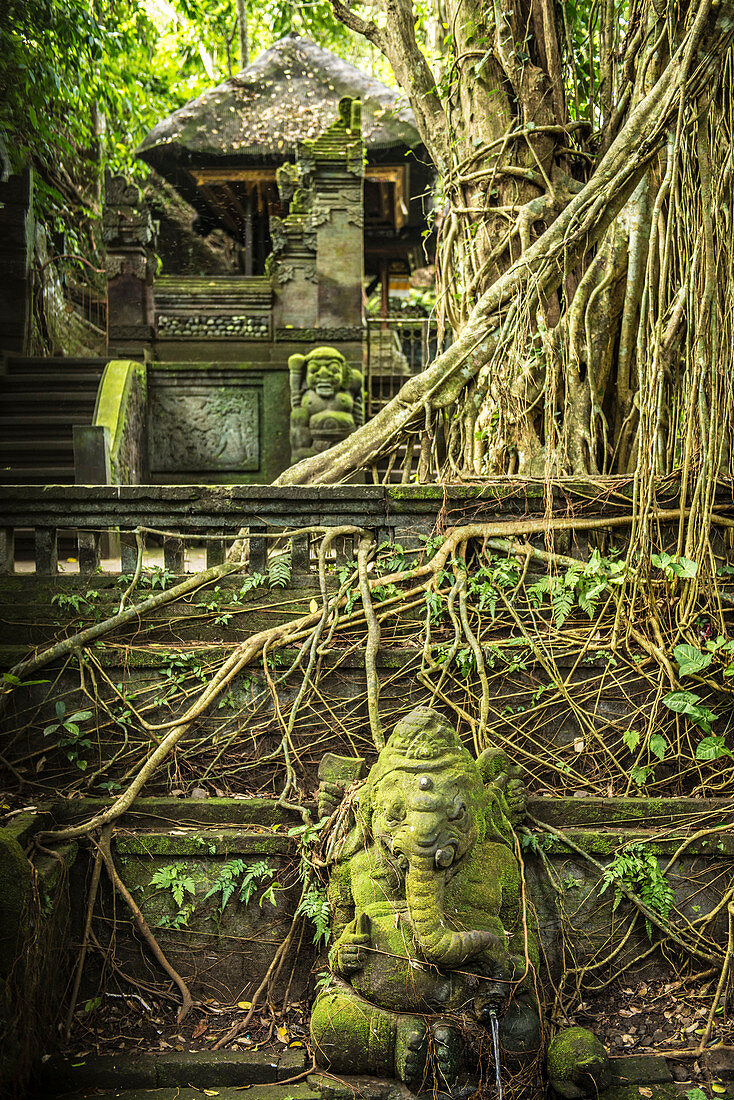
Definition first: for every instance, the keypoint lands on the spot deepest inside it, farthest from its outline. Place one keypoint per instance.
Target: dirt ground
(630, 1018)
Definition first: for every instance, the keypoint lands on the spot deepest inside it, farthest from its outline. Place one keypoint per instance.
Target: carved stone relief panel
(204, 428)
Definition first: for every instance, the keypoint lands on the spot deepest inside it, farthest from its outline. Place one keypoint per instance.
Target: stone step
(179, 1071)
(51, 380)
(50, 423)
(297, 1091)
(61, 474)
(17, 365)
(36, 450)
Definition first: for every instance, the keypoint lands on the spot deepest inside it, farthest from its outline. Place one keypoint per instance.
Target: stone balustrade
(215, 514)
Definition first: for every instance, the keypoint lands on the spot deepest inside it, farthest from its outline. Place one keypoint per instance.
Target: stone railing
(181, 515)
(112, 450)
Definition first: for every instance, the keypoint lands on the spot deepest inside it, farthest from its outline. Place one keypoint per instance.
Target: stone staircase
(40, 402)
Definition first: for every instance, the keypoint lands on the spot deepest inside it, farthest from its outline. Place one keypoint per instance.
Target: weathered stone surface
(15, 892)
(197, 1069)
(207, 421)
(639, 1069)
(208, 1069)
(578, 1065)
(105, 1071)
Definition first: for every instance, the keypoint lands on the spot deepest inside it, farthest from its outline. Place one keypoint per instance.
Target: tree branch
(398, 43)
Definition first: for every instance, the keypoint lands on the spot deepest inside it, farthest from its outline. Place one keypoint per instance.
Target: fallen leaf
(199, 1030)
(244, 1004)
(645, 1092)
(283, 1034)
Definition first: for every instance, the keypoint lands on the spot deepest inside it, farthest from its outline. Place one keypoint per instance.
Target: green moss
(210, 843)
(577, 1063)
(15, 893)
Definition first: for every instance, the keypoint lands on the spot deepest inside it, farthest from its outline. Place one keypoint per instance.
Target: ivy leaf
(658, 745)
(640, 775)
(684, 567)
(711, 748)
(631, 739)
(688, 704)
(690, 659)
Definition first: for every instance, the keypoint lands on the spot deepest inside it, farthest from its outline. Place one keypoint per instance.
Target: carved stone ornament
(430, 951)
(204, 430)
(326, 401)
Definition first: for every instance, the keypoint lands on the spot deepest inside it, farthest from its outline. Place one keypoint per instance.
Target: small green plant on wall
(636, 867)
(69, 736)
(175, 878)
(236, 877)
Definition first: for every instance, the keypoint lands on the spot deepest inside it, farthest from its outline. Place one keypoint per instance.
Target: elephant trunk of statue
(424, 890)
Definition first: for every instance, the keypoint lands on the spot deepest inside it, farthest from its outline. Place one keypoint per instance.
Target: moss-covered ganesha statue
(428, 939)
(326, 401)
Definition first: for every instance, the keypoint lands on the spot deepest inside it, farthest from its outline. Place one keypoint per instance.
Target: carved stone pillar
(16, 257)
(318, 249)
(127, 232)
(294, 273)
(337, 215)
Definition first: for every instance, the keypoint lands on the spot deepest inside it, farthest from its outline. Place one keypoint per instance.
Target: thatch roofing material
(289, 94)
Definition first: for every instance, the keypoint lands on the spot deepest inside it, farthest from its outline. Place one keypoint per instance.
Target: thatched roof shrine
(222, 150)
(288, 94)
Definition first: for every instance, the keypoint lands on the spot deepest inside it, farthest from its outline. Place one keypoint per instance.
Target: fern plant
(279, 571)
(637, 868)
(584, 585)
(175, 879)
(238, 877)
(315, 905)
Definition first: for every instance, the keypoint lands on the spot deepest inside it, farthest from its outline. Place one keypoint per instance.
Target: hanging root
(103, 847)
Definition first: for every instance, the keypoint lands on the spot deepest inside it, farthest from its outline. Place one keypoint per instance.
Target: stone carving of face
(425, 813)
(325, 375)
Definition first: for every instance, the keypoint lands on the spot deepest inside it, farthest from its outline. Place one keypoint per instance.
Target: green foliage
(252, 581)
(674, 566)
(484, 584)
(691, 660)
(711, 748)
(689, 704)
(583, 585)
(382, 592)
(315, 905)
(69, 736)
(279, 571)
(391, 557)
(8, 682)
(244, 880)
(75, 601)
(152, 577)
(637, 869)
(176, 880)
